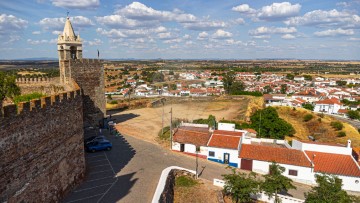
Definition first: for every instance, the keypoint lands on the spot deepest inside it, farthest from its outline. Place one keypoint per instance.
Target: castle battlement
(33, 80)
(42, 103)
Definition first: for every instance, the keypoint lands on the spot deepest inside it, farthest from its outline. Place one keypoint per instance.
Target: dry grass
(254, 104)
(322, 131)
(30, 73)
(148, 121)
(203, 192)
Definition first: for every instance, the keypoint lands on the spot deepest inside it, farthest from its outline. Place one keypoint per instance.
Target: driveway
(131, 170)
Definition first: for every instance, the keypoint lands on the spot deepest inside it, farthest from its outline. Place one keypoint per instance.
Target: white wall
(321, 148)
(190, 148)
(219, 154)
(349, 183)
(226, 126)
(305, 174)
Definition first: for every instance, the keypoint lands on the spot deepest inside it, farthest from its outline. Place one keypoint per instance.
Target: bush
(28, 97)
(337, 125)
(321, 115)
(308, 117)
(308, 106)
(185, 181)
(319, 119)
(341, 134)
(114, 102)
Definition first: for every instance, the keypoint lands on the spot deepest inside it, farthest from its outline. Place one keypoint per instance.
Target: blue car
(98, 146)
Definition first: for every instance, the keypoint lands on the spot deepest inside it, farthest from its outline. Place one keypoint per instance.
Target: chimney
(348, 144)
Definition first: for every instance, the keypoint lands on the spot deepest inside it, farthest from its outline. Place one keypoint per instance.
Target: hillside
(318, 127)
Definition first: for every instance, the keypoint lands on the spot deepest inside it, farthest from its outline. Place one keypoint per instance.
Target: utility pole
(162, 119)
(171, 128)
(196, 175)
(260, 125)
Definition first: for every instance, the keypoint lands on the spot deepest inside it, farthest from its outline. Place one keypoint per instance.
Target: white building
(331, 106)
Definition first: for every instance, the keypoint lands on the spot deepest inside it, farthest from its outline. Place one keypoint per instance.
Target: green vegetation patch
(337, 125)
(185, 181)
(28, 97)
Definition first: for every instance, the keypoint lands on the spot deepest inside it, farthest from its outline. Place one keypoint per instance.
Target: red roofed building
(223, 147)
(331, 106)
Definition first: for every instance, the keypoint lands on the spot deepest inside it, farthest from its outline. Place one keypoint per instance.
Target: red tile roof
(225, 139)
(337, 164)
(329, 101)
(279, 155)
(192, 135)
(251, 130)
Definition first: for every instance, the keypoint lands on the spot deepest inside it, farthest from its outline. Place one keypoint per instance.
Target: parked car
(94, 139)
(98, 146)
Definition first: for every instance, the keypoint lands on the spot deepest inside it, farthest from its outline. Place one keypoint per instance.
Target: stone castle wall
(89, 74)
(41, 148)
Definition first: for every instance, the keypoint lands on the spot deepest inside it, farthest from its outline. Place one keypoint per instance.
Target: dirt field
(146, 122)
(322, 131)
(204, 192)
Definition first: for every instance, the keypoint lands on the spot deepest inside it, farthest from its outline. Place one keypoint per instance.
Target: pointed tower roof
(68, 29)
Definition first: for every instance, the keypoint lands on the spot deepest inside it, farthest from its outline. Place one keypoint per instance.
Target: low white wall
(349, 183)
(162, 181)
(226, 126)
(219, 154)
(321, 148)
(262, 196)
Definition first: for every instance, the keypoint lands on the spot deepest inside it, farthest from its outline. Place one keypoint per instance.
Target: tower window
(73, 52)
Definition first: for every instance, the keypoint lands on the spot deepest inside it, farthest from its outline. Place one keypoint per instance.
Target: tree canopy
(268, 124)
(353, 114)
(241, 186)
(8, 87)
(328, 190)
(275, 182)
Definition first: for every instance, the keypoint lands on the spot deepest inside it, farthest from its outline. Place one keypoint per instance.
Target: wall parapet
(24, 80)
(44, 102)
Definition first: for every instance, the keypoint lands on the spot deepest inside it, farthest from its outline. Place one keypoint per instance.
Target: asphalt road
(131, 170)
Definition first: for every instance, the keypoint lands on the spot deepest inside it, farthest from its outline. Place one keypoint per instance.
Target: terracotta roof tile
(192, 135)
(329, 101)
(224, 141)
(279, 155)
(225, 132)
(337, 164)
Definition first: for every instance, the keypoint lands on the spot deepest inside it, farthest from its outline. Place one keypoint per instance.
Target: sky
(184, 29)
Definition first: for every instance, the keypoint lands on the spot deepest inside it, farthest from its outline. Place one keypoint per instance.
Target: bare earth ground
(203, 192)
(148, 121)
(321, 130)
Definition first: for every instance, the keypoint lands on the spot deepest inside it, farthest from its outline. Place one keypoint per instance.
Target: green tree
(158, 77)
(267, 89)
(173, 86)
(290, 76)
(237, 87)
(308, 106)
(275, 182)
(228, 80)
(171, 72)
(283, 89)
(308, 117)
(308, 77)
(328, 190)
(8, 87)
(341, 83)
(241, 186)
(353, 114)
(268, 124)
(211, 121)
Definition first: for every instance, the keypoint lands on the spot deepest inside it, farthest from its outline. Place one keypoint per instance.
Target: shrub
(337, 125)
(308, 117)
(114, 102)
(341, 134)
(321, 115)
(185, 181)
(319, 119)
(28, 97)
(308, 106)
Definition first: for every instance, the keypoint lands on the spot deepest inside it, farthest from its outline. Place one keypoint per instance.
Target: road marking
(99, 165)
(109, 163)
(93, 156)
(99, 172)
(85, 198)
(92, 187)
(99, 179)
(97, 161)
(107, 190)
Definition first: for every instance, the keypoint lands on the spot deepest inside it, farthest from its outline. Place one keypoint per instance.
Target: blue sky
(187, 29)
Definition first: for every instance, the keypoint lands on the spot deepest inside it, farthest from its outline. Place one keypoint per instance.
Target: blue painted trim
(222, 162)
(233, 165)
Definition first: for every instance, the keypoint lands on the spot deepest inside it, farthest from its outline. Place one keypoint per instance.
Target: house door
(226, 158)
(246, 164)
(182, 147)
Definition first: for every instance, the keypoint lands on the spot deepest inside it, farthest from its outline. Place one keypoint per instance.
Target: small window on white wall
(357, 181)
(211, 153)
(293, 172)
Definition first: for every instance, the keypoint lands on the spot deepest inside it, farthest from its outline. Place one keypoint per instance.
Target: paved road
(131, 170)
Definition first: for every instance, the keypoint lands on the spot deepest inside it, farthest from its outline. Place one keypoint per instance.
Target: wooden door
(246, 164)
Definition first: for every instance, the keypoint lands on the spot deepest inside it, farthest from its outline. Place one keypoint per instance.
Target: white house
(223, 147)
(330, 106)
(299, 78)
(191, 139)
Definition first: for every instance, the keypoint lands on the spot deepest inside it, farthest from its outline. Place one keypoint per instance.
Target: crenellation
(10, 110)
(35, 104)
(64, 96)
(24, 107)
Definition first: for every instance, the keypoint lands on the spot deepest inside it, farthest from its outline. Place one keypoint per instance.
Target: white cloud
(239, 21)
(77, 4)
(262, 37)
(322, 18)
(44, 41)
(165, 35)
(221, 34)
(233, 42)
(186, 36)
(56, 32)
(333, 33)
(95, 42)
(288, 36)
(36, 33)
(139, 11)
(244, 8)
(354, 39)
(160, 29)
(203, 36)
(58, 23)
(272, 30)
(202, 25)
(118, 21)
(10, 24)
(277, 11)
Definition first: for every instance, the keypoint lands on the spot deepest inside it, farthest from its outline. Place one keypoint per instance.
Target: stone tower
(69, 47)
(88, 74)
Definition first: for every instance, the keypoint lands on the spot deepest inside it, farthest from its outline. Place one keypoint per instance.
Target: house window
(211, 153)
(293, 172)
